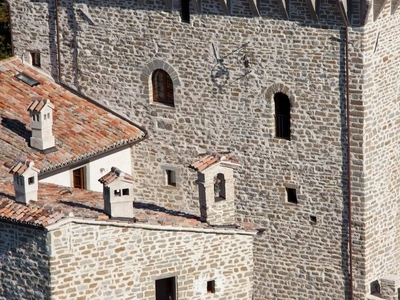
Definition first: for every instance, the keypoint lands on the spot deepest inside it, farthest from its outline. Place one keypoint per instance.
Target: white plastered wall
(94, 170)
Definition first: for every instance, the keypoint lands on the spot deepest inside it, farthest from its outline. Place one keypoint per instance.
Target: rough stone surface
(110, 57)
(24, 263)
(114, 262)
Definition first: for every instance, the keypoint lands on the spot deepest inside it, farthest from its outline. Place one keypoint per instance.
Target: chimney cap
(20, 167)
(114, 174)
(38, 104)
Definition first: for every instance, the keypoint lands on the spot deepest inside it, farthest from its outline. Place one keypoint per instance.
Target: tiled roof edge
(22, 223)
(93, 153)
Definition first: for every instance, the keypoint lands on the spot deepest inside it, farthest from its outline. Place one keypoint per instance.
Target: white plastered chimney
(41, 119)
(25, 181)
(117, 193)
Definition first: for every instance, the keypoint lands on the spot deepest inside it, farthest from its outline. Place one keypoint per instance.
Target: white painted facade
(95, 169)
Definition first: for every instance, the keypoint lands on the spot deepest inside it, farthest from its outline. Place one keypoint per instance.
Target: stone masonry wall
(107, 48)
(92, 261)
(24, 263)
(381, 139)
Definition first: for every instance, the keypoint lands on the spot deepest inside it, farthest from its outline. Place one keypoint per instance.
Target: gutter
(346, 23)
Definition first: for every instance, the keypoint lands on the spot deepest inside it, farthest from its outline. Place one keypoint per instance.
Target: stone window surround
(174, 169)
(146, 78)
(291, 186)
(269, 95)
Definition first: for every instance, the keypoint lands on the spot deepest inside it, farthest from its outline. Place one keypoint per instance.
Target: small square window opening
(35, 59)
(31, 180)
(211, 287)
(171, 177)
(291, 195)
(117, 192)
(125, 192)
(313, 219)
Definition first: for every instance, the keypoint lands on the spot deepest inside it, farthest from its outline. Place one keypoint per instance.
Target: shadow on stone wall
(24, 263)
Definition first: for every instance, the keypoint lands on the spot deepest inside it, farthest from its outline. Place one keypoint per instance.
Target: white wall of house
(94, 169)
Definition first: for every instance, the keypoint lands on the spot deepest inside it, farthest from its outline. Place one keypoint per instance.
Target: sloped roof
(210, 158)
(81, 128)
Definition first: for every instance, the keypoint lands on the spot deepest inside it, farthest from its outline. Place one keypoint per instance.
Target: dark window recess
(185, 11)
(35, 56)
(31, 180)
(291, 195)
(282, 116)
(313, 219)
(117, 193)
(211, 287)
(219, 187)
(79, 178)
(171, 178)
(166, 289)
(163, 88)
(125, 192)
(27, 79)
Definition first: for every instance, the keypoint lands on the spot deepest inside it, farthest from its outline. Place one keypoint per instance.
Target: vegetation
(5, 32)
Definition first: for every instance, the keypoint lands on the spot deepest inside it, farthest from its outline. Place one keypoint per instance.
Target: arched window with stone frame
(163, 87)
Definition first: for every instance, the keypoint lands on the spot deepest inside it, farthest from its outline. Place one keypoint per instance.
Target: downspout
(58, 42)
(346, 22)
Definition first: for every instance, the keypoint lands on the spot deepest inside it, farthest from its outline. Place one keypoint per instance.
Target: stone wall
(382, 155)
(24, 263)
(110, 261)
(106, 49)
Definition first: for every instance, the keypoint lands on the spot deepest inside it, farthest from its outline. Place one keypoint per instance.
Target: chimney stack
(41, 116)
(117, 194)
(25, 181)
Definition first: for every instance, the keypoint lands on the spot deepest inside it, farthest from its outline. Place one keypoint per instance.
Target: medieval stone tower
(264, 81)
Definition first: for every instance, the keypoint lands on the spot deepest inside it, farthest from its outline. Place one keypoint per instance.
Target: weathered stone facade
(110, 48)
(122, 261)
(24, 263)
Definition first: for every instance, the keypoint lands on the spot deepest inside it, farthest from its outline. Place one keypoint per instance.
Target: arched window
(219, 187)
(282, 116)
(163, 88)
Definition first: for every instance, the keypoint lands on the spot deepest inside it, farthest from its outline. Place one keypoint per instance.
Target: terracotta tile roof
(211, 158)
(81, 128)
(114, 174)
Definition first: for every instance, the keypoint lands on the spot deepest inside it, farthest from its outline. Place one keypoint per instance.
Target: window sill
(163, 105)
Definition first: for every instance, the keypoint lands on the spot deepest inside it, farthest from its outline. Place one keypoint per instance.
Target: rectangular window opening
(79, 178)
(31, 180)
(117, 192)
(211, 287)
(166, 289)
(185, 11)
(35, 56)
(291, 195)
(313, 219)
(125, 192)
(171, 177)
